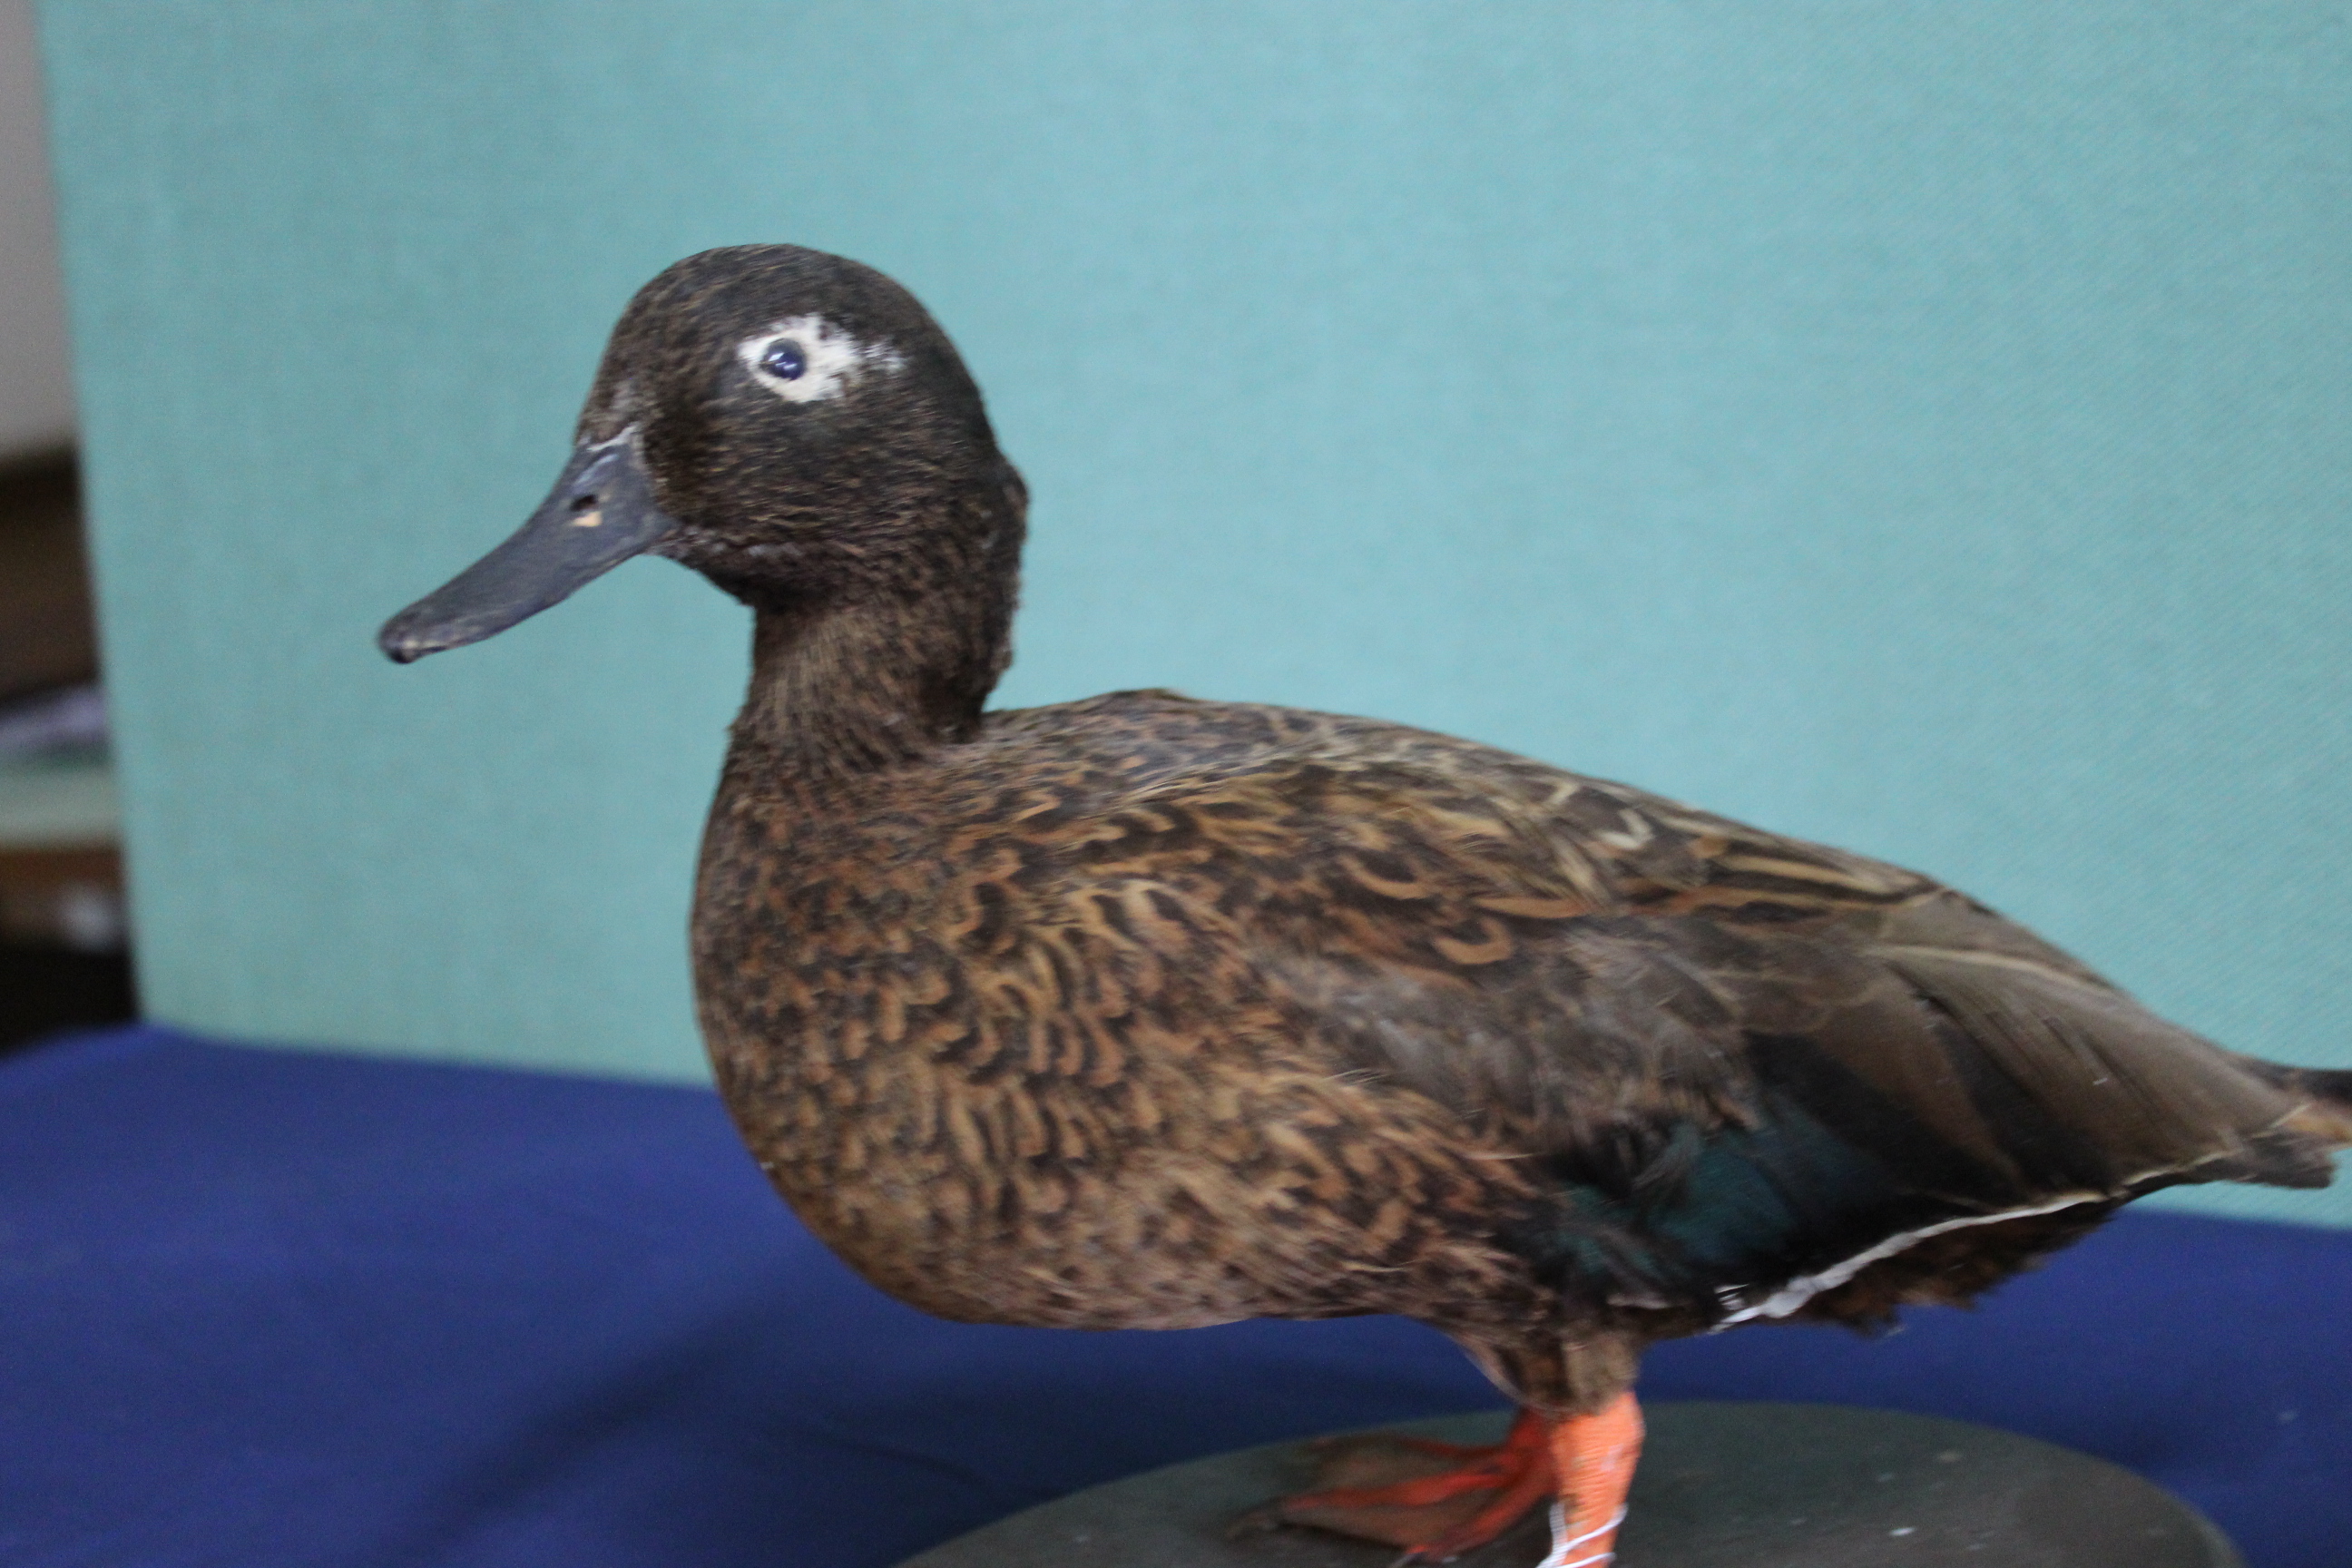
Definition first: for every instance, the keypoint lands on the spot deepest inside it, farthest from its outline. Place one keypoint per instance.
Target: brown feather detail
(2153, 1098)
(1954, 1268)
(2323, 1095)
(1229, 1011)
(1290, 1003)
(2324, 1119)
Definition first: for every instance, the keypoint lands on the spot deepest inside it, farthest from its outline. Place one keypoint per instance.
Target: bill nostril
(585, 501)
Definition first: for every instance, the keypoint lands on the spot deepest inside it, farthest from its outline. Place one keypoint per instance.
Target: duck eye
(784, 360)
(807, 359)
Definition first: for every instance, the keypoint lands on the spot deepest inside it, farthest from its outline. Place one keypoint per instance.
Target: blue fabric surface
(272, 1308)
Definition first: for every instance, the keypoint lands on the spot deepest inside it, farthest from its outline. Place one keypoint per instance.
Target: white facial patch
(830, 360)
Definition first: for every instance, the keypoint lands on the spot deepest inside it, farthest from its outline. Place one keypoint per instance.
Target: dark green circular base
(1721, 1486)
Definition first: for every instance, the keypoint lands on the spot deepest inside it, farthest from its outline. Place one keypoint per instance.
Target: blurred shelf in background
(65, 957)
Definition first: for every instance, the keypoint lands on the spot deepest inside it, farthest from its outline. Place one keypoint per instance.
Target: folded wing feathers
(1964, 1089)
(2154, 1098)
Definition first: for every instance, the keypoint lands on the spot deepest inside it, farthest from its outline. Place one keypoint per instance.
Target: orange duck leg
(1581, 1465)
(1594, 1457)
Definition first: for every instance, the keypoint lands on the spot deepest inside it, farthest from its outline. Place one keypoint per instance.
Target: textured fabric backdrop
(1915, 425)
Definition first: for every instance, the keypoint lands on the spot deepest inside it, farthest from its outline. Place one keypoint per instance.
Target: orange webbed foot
(1435, 1501)
(1438, 1500)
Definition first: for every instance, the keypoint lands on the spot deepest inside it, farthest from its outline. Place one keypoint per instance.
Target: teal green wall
(1921, 425)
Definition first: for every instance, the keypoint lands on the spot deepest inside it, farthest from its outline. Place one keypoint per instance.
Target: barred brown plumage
(1148, 1012)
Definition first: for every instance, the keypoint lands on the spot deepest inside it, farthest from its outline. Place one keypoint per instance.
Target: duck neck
(875, 681)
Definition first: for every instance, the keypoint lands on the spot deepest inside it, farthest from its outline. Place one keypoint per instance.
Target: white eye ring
(831, 360)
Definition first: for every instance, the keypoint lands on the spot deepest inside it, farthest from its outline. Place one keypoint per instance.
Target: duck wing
(1742, 1071)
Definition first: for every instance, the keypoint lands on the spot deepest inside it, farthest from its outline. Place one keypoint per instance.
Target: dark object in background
(46, 988)
(49, 638)
(63, 960)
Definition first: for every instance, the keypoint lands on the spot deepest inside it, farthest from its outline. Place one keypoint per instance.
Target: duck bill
(600, 513)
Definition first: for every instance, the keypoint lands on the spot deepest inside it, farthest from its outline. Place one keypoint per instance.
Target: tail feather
(2327, 1093)
(2153, 1102)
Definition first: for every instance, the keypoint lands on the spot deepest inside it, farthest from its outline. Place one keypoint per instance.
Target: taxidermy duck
(1144, 1012)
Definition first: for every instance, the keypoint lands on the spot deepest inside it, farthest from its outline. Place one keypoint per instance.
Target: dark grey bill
(600, 513)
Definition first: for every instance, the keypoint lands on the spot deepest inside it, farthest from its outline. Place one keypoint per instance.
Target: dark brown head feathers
(859, 461)
(828, 461)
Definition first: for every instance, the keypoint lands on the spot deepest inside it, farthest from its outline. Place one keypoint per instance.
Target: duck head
(796, 427)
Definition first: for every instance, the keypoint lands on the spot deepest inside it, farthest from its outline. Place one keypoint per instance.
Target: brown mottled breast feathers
(1144, 1010)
